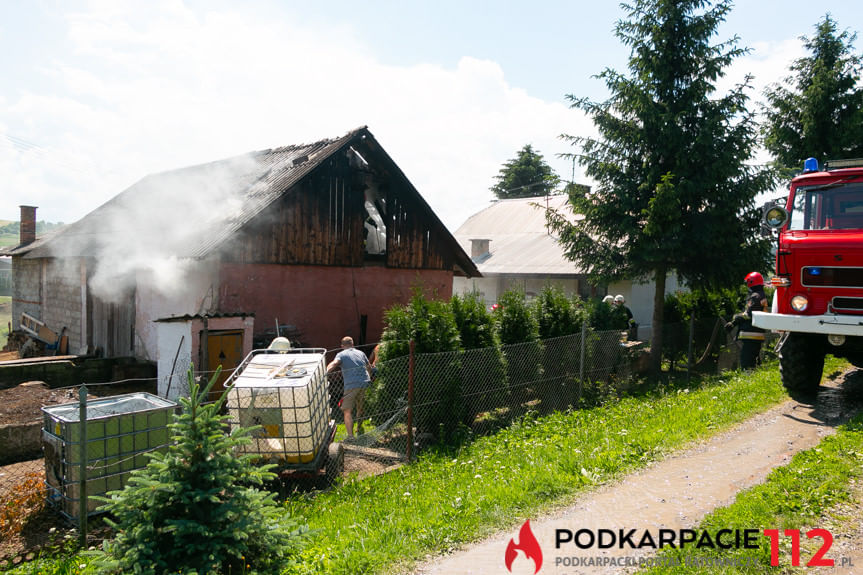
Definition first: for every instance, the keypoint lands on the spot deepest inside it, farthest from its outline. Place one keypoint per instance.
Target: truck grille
(848, 303)
(832, 277)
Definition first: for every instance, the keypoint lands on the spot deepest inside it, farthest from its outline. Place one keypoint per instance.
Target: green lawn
(447, 499)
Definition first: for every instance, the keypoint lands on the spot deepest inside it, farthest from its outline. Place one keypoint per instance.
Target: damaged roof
(520, 241)
(237, 190)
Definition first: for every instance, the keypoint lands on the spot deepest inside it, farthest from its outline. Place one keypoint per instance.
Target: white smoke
(141, 237)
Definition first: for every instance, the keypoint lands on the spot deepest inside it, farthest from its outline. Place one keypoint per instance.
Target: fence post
(581, 357)
(691, 344)
(410, 445)
(82, 492)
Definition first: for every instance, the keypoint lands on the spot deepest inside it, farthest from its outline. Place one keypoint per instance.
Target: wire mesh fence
(411, 402)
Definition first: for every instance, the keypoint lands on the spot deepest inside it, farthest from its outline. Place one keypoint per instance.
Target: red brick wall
(325, 303)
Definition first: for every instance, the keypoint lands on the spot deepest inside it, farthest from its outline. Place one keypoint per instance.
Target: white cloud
(148, 87)
(152, 87)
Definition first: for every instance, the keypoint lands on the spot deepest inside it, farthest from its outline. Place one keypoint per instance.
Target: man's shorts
(351, 397)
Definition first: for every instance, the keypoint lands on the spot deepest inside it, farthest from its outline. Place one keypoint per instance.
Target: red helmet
(754, 279)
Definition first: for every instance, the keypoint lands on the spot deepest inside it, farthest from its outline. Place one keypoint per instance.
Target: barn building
(197, 265)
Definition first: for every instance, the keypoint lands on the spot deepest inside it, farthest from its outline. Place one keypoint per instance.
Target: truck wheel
(335, 461)
(801, 363)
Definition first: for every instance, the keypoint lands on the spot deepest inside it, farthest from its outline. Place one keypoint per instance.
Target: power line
(47, 154)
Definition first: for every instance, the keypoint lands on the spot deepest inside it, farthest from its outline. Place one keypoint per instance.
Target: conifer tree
(196, 507)
(674, 189)
(525, 176)
(817, 111)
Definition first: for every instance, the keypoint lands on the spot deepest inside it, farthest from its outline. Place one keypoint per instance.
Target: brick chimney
(28, 225)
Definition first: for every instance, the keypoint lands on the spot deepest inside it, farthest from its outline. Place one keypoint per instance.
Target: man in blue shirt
(356, 373)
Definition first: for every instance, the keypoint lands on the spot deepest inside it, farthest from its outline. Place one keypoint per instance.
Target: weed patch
(23, 500)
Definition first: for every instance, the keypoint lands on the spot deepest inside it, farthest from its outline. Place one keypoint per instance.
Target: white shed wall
(174, 341)
(195, 292)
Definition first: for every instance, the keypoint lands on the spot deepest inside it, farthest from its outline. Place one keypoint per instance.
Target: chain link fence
(413, 402)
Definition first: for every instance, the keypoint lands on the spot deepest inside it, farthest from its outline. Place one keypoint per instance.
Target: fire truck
(818, 303)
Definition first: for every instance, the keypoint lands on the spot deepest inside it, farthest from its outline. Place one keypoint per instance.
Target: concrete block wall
(21, 441)
(63, 299)
(26, 290)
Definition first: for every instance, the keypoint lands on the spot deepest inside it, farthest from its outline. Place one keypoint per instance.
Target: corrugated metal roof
(520, 241)
(244, 185)
(188, 317)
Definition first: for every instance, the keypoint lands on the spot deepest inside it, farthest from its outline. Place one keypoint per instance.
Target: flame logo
(527, 544)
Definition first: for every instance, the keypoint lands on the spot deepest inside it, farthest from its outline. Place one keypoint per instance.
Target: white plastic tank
(285, 393)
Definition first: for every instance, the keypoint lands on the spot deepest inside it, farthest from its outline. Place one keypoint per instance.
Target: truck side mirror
(776, 217)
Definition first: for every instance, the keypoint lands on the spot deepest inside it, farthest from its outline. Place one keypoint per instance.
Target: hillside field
(7, 239)
(5, 317)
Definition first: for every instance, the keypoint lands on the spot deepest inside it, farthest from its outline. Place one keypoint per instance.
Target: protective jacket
(756, 301)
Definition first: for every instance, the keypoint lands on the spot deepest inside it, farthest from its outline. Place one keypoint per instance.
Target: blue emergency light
(810, 165)
(814, 271)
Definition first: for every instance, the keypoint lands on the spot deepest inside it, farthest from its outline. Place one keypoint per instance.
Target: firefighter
(750, 337)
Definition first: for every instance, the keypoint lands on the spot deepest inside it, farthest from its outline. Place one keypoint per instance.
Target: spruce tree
(196, 508)
(817, 111)
(674, 190)
(525, 176)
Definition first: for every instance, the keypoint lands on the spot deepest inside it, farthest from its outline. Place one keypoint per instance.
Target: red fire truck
(818, 304)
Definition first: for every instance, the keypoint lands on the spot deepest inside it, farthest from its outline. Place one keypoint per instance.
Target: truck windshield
(837, 206)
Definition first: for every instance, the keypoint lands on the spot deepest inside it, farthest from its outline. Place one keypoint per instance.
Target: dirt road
(677, 492)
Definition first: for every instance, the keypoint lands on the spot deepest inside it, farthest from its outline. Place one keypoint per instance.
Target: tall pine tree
(674, 191)
(817, 111)
(525, 176)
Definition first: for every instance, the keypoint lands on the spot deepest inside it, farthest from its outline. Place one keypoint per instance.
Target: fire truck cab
(818, 303)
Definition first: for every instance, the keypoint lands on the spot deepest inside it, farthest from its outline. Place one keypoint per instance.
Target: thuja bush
(196, 508)
(518, 330)
(483, 373)
(558, 316)
(438, 405)
(603, 316)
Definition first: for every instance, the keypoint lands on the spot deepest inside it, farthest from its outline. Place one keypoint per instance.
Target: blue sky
(96, 95)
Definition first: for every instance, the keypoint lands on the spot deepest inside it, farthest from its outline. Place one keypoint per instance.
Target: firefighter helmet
(754, 279)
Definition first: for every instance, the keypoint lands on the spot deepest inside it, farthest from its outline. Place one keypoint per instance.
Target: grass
(452, 497)
(802, 495)
(5, 317)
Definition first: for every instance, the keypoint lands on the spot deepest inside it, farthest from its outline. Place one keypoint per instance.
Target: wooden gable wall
(412, 242)
(319, 221)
